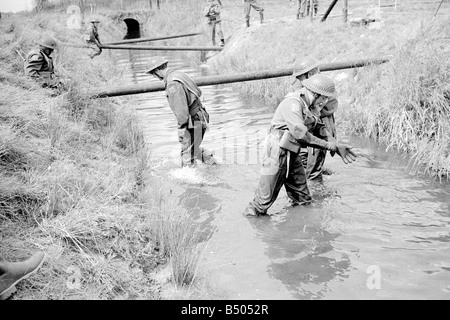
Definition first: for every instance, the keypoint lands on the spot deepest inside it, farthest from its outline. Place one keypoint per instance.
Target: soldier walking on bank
(183, 96)
(304, 7)
(248, 4)
(93, 39)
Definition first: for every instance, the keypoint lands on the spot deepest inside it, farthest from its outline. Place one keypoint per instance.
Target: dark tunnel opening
(133, 29)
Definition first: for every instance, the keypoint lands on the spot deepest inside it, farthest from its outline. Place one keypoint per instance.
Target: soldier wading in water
(295, 124)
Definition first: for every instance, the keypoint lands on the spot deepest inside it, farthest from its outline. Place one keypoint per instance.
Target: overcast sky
(15, 5)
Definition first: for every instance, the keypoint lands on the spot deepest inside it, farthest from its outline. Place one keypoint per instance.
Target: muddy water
(372, 232)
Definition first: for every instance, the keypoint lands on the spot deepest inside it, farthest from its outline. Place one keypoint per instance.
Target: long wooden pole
(240, 77)
(329, 10)
(153, 39)
(162, 48)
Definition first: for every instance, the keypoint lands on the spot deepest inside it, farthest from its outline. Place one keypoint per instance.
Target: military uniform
(39, 66)
(295, 124)
(248, 4)
(12, 273)
(313, 158)
(212, 13)
(93, 40)
(183, 96)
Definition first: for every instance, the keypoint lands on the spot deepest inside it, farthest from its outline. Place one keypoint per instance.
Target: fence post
(345, 11)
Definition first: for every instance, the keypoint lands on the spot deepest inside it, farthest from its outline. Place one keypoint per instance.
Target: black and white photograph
(228, 156)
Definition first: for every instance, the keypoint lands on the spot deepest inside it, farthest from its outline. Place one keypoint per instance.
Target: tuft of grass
(176, 234)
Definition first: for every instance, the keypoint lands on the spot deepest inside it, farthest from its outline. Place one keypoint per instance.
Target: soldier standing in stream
(295, 124)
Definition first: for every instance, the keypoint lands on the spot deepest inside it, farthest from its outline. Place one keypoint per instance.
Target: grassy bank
(75, 180)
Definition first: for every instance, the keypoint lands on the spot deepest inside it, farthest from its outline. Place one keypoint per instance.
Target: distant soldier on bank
(93, 39)
(248, 4)
(304, 7)
(212, 14)
(294, 125)
(39, 63)
(11, 273)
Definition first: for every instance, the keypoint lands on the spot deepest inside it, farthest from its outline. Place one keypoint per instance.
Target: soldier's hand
(345, 152)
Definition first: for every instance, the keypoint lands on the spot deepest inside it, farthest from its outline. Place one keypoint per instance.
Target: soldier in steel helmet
(314, 158)
(92, 38)
(183, 96)
(294, 126)
(39, 63)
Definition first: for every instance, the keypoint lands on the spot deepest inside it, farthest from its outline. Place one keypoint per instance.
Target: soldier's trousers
(191, 138)
(280, 167)
(216, 27)
(252, 4)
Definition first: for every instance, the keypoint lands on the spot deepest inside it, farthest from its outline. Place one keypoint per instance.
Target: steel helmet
(155, 63)
(321, 84)
(95, 20)
(48, 42)
(302, 66)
